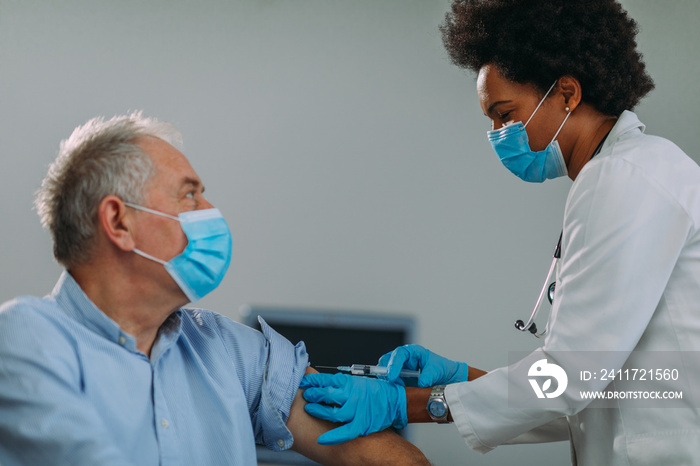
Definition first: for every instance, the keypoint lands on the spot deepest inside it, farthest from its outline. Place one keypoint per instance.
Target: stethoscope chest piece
(550, 293)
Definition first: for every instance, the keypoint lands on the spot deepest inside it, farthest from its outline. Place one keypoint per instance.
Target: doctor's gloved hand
(365, 404)
(435, 369)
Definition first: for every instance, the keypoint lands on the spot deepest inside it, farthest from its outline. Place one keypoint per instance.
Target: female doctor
(558, 80)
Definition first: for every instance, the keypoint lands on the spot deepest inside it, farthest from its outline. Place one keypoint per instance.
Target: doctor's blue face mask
(201, 266)
(513, 148)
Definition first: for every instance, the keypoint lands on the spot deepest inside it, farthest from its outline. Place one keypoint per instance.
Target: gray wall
(348, 155)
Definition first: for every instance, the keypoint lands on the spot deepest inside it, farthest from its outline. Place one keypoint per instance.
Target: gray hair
(99, 159)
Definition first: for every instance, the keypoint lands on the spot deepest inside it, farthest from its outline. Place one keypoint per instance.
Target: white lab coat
(628, 279)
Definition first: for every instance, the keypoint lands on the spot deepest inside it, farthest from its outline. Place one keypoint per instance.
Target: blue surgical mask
(199, 269)
(513, 148)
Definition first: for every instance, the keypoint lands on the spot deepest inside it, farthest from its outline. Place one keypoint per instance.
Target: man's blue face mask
(513, 148)
(199, 269)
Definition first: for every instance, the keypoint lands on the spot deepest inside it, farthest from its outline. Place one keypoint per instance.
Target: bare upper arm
(380, 448)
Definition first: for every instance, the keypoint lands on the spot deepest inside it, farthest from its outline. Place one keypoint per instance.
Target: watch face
(437, 408)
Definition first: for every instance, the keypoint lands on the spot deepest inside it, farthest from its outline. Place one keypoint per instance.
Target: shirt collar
(626, 122)
(74, 302)
(168, 334)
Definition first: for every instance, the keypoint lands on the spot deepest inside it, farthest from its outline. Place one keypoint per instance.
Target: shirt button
(122, 340)
(164, 423)
(280, 442)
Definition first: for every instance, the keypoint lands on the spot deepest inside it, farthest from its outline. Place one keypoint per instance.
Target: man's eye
(190, 195)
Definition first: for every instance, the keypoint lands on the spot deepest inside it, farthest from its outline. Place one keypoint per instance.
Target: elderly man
(109, 369)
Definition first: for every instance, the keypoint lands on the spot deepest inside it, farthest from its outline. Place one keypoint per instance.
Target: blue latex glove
(367, 405)
(435, 369)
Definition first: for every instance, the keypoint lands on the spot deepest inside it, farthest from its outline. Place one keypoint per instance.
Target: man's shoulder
(203, 323)
(205, 318)
(207, 330)
(29, 322)
(26, 309)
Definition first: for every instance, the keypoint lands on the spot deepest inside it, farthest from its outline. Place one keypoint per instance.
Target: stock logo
(542, 370)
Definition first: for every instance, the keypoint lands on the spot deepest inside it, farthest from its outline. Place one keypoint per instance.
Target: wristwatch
(437, 405)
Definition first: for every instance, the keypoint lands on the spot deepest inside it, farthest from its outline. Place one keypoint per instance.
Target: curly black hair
(538, 41)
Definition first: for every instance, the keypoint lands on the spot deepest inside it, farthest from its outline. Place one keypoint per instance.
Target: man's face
(174, 188)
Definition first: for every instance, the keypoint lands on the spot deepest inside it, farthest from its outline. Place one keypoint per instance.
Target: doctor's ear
(570, 90)
(115, 223)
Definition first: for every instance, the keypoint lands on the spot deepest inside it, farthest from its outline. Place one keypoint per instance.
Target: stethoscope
(549, 283)
(547, 290)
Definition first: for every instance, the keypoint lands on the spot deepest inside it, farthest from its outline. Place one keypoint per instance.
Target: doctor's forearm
(475, 373)
(416, 403)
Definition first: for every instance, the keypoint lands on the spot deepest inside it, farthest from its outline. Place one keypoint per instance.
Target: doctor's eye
(504, 116)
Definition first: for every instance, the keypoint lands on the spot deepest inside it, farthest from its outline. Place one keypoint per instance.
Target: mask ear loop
(148, 256)
(561, 126)
(540, 104)
(151, 211)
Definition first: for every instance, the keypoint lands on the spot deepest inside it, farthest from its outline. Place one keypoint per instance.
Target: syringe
(374, 371)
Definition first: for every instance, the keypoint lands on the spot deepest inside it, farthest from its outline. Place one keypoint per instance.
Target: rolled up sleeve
(285, 366)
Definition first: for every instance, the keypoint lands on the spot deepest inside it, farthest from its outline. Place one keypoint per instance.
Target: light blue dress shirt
(74, 390)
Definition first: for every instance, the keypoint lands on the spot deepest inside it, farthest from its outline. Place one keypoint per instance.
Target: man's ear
(116, 223)
(570, 89)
